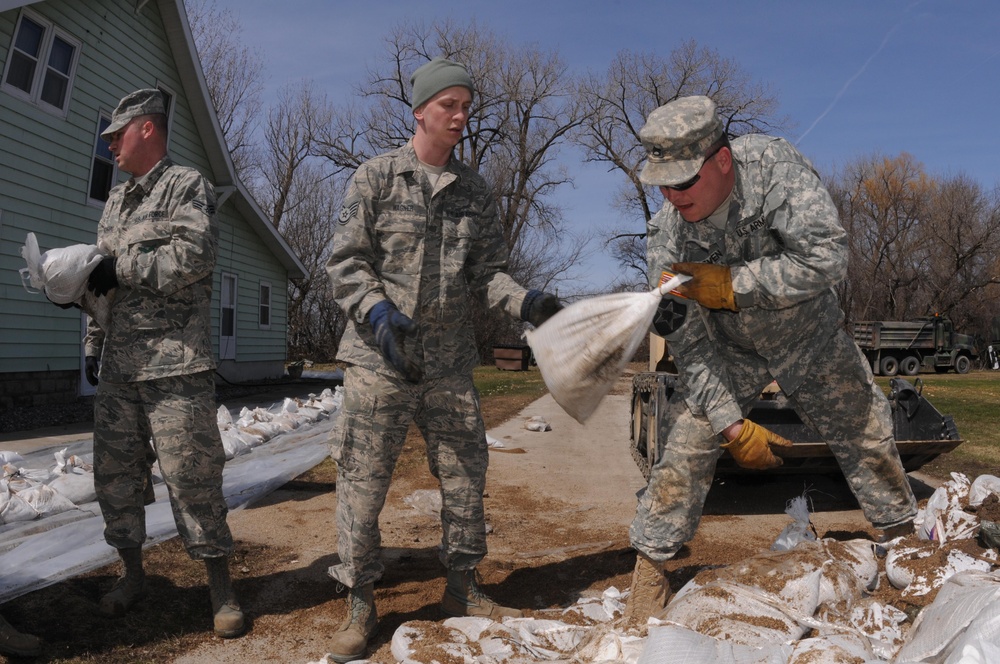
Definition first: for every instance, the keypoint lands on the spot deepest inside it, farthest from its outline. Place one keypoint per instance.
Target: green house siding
(45, 167)
(243, 253)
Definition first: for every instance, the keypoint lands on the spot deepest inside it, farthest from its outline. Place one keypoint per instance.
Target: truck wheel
(909, 366)
(962, 364)
(889, 366)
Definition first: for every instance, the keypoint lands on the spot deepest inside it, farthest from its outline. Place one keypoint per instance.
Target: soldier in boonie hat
(677, 137)
(141, 102)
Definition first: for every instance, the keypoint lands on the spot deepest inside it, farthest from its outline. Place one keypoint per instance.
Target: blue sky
(855, 77)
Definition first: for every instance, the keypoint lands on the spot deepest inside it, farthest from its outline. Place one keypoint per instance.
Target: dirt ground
(558, 507)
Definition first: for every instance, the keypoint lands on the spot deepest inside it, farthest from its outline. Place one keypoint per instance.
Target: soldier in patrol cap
(417, 240)
(154, 365)
(754, 226)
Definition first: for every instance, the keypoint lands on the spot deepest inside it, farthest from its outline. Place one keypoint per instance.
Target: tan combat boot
(129, 587)
(351, 640)
(227, 616)
(16, 644)
(463, 597)
(649, 592)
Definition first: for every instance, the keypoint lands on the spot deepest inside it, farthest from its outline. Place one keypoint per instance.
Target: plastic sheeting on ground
(43, 551)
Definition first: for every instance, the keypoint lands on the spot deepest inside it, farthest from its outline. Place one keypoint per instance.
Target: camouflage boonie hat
(676, 137)
(132, 105)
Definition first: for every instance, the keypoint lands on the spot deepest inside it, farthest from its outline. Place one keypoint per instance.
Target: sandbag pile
(806, 601)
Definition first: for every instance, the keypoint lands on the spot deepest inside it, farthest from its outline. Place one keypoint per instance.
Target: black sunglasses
(684, 186)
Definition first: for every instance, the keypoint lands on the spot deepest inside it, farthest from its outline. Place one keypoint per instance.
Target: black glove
(538, 307)
(391, 329)
(103, 277)
(68, 305)
(91, 368)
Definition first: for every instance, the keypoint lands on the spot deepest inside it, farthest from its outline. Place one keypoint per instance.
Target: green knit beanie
(436, 75)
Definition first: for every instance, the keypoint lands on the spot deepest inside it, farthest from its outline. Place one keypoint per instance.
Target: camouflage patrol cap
(676, 137)
(132, 105)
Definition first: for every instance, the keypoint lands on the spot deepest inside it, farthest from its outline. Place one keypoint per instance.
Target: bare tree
(615, 106)
(882, 202)
(234, 73)
(963, 240)
(301, 194)
(523, 108)
(919, 245)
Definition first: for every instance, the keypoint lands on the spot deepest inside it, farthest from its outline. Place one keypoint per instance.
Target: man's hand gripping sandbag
(751, 448)
(391, 327)
(711, 285)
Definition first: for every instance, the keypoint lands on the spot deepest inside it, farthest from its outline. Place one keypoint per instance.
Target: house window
(168, 105)
(41, 64)
(103, 170)
(227, 317)
(264, 308)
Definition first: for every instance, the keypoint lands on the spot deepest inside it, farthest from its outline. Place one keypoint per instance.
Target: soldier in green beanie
(417, 239)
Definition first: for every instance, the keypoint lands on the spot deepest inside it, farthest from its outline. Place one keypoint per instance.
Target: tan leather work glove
(711, 285)
(752, 447)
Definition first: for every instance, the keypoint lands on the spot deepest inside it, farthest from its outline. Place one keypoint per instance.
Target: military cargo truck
(922, 433)
(909, 347)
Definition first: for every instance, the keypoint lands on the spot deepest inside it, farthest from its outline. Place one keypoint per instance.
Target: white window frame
(49, 33)
(170, 97)
(263, 305)
(102, 116)
(228, 299)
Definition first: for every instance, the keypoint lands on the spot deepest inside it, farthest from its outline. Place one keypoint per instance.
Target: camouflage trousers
(842, 402)
(366, 443)
(175, 415)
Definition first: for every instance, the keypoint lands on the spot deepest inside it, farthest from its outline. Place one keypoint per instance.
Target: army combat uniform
(157, 364)
(429, 249)
(779, 232)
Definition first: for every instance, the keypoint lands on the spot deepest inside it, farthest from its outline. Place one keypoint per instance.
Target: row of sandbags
(28, 493)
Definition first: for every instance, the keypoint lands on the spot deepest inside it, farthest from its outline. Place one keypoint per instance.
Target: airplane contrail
(843, 89)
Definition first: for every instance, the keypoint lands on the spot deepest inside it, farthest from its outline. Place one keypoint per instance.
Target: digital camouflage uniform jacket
(428, 258)
(161, 227)
(787, 250)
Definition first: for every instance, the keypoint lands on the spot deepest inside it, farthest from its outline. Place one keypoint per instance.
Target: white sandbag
(674, 644)
(234, 443)
(13, 508)
(45, 500)
(21, 478)
(944, 518)
(75, 486)
(982, 487)
(903, 570)
(770, 597)
(832, 649)
(9, 457)
(223, 418)
(583, 349)
(60, 273)
(881, 623)
(266, 430)
(308, 414)
(966, 610)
